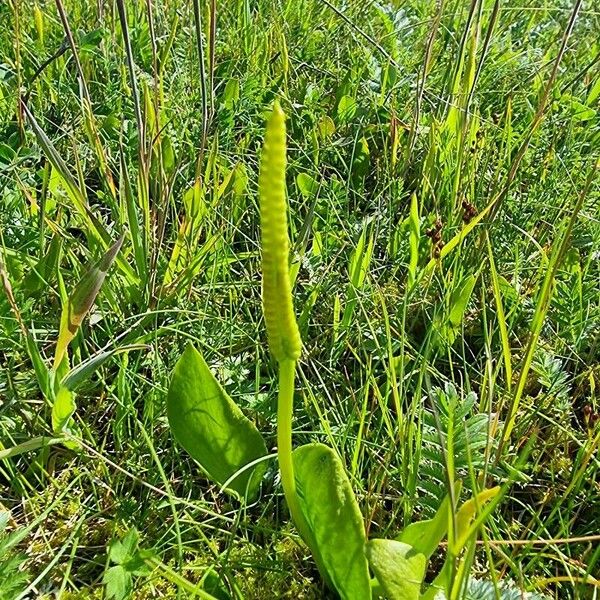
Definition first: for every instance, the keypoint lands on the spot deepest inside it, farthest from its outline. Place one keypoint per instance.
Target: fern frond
(451, 414)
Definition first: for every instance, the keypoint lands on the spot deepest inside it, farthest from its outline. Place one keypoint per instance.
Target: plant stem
(285, 409)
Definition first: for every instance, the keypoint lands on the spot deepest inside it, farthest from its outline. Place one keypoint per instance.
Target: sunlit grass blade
(543, 303)
(502, 326)
(76, 194)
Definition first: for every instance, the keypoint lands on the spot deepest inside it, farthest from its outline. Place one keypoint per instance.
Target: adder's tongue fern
(282, 330)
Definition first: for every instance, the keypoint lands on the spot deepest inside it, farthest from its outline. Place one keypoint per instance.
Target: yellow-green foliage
(282, 329)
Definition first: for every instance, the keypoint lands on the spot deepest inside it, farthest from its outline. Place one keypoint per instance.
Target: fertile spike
(282, 329)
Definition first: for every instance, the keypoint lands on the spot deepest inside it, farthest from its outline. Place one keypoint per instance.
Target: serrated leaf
(82, 299)
(122, 550)
(118, 583)
(334, 520)
(212, 429)
(399, 568)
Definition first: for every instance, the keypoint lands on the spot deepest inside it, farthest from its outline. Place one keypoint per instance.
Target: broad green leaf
(214, 585)
(334, 520)
(90, 40)
(465, 515)
(307, 185)
(346, 108)
(459, 300)
(82, 299)
(62, 409)
(437, 589)
(594, 93)
(4, 519)
(29, 446)
(463, 518)
(189, 230)
(231, 94)
(448, 329)
(215, 432)
(425, 536)
(358, 269)
(399, 568)
(361, 260)
(581, 112)
(360, 164)
(326, 127)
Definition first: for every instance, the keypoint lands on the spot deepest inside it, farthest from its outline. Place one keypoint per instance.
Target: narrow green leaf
(231, 94)
(82, 299)
(215, 432)
(457, 239)
(414, 237)
(399, 568)
(42, 373)
(135, 231)
(86, 368)
(76, 193)
(29, 446)
(358, 269)
(502, 327)
(334, 520)
(42, 272)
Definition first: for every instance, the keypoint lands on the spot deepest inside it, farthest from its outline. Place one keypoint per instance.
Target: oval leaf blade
(211, 428)
(399, 568)
(334, 519)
